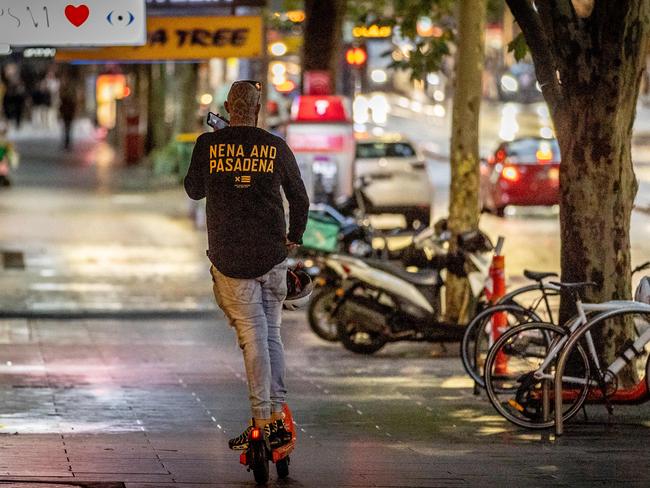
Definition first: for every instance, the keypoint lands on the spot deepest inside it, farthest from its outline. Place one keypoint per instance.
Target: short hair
(243, 99)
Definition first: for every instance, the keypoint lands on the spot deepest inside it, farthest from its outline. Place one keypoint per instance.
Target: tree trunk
(589, 63)
(157, 132)
(598, 186)
(323, 35)
(186, 81)
(464, 211)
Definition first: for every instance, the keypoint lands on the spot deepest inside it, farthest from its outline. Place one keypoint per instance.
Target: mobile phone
(216, 121)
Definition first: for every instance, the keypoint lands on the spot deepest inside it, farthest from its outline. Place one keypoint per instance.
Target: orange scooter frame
(258, 454)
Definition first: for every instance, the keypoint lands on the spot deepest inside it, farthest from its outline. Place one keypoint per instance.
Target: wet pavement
(91, 236)
(150, 400)
(152, 404)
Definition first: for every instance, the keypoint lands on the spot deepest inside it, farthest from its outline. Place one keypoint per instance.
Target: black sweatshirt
(240, 170)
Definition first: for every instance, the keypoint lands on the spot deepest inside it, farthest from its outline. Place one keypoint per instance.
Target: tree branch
(537, 38)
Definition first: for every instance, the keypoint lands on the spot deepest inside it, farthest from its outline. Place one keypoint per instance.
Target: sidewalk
(83, 235)
(152, 404)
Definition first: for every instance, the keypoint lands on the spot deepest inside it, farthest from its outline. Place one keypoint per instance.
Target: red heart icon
(77, 15)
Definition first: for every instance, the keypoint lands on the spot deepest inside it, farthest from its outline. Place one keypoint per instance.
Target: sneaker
(240, 443)
(280, 435)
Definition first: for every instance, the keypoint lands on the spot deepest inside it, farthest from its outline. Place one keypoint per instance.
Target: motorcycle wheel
(354, 338)
(319, 314)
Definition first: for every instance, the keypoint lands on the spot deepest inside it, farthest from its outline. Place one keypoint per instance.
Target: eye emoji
(120, 19)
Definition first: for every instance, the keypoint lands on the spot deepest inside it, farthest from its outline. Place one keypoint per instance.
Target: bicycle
(478, 338)
(606, 378)
(522, 393)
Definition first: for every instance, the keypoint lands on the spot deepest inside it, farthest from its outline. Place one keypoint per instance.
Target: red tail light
(256, 434)
(510, 173)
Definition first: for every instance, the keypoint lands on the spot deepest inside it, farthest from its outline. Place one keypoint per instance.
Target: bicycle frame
(541, 286)
(619, 308)
(573, 325)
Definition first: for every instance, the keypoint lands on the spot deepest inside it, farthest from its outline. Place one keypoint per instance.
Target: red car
(522, 172)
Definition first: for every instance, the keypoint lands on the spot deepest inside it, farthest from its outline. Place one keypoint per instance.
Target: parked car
(395, 175)
(523, 172)
(385, 154)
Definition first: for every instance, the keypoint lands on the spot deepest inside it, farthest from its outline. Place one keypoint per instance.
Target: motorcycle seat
(426, 277)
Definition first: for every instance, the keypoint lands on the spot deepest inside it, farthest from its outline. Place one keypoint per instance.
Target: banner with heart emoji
(77, 15)
(75, 23)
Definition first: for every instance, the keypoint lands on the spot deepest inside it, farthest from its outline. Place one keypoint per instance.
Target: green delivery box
(321, 233)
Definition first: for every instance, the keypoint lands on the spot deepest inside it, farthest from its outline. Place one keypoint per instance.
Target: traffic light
(356, 56)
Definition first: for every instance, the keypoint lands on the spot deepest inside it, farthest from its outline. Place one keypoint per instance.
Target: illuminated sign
(312, 108)
(356, 56)
(109, 87)
(185, 38)
(68, 23)
(372, 31)
(315, 142)
(39, 52)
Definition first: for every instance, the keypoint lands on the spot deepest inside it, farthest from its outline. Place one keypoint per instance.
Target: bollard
(499, 320)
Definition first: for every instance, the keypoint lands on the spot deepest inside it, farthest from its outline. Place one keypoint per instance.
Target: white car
(394, 177)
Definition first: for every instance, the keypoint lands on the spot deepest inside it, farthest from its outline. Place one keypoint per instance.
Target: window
(533, 151)
(372, 150)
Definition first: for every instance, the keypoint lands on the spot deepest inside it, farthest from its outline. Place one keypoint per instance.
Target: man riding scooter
(240, 170)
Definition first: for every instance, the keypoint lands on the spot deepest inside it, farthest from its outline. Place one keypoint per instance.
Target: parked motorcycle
(379, 302)
(354, 238)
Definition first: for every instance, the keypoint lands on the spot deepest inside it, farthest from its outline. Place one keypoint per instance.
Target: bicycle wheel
(543, 301)
(512, 387)
(477, 339)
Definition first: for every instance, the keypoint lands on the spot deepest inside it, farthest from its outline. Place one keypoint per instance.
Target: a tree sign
(73, 22)
(184, 38)
(201, 3)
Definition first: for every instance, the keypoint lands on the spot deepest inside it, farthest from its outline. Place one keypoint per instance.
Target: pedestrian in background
(67, 110)
(53, 87)
(241, 170)
(13, 103)
(41, 101)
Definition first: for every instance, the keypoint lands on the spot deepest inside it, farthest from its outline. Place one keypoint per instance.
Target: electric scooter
(256, 458)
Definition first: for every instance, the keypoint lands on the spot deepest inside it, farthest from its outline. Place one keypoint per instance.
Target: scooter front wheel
(282, 467)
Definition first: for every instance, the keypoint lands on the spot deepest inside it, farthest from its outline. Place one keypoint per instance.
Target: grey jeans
(254, 309)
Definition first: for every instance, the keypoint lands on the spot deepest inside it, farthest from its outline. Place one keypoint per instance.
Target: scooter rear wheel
(282, 467)
(260, 465)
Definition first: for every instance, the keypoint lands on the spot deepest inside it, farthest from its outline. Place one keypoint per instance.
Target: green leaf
(518, 47)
